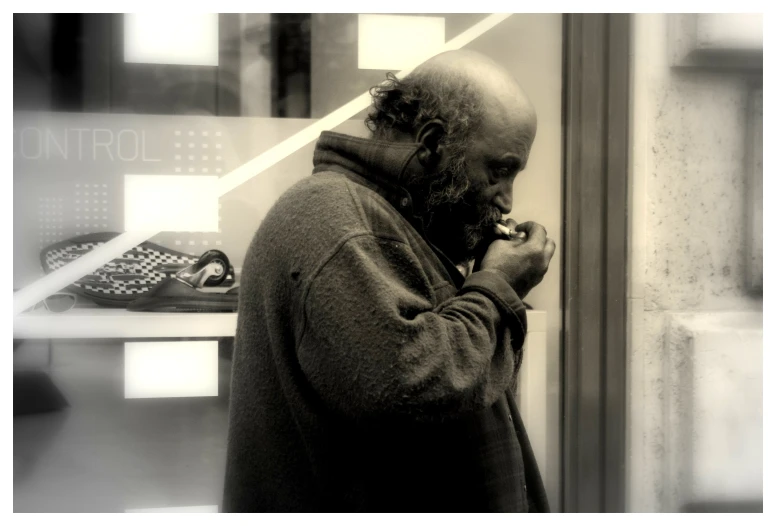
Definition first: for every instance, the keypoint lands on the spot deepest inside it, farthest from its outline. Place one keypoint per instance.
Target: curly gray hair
(405, 105)
(402, 106)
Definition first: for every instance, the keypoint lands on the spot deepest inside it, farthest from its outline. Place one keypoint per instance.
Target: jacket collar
(366, 157)
(381, 166)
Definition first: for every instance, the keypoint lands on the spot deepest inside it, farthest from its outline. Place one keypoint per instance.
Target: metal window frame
(596, 149)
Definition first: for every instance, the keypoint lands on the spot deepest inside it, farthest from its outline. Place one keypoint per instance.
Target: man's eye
(503, 172)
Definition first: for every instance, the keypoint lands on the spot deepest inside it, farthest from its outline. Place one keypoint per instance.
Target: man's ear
(429, 136)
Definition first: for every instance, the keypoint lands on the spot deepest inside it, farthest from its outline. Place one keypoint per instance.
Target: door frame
(596, 102)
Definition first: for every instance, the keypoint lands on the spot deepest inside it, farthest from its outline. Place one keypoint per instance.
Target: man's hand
(522, 261)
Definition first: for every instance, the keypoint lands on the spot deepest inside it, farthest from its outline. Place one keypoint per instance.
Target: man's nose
(503, 197)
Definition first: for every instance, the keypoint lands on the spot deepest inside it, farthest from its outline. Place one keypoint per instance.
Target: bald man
(381, 322)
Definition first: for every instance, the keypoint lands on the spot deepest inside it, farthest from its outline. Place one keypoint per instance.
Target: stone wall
(695, 356)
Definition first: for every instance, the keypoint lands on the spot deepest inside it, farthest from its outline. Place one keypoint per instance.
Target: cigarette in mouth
(508, 231)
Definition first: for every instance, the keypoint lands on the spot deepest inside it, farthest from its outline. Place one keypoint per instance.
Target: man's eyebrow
(513, 158)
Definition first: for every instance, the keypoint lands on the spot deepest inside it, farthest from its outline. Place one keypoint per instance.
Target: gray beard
(454, 223)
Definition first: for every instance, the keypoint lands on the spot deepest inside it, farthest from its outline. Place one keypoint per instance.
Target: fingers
(536, 233)
(506, 229)
(511, 224)
(549, 250)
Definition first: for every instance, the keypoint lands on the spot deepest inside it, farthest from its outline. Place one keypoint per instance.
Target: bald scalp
(490, 78)
(464, 88)
(500, 92)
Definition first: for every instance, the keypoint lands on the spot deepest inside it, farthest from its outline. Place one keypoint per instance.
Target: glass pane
(119, 122)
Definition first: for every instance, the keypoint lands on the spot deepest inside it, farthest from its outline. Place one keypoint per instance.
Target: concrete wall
(695, 356)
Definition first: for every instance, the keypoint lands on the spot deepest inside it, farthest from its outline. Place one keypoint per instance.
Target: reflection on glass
(88, 124)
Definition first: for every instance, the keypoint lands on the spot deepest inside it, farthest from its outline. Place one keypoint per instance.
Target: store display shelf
(120, 323)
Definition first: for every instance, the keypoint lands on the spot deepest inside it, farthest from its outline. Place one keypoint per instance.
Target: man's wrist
(498, 273)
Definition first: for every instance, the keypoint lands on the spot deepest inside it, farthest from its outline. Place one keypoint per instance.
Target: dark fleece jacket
(368, 375)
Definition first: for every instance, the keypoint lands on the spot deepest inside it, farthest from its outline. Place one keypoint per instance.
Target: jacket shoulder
(330, 206)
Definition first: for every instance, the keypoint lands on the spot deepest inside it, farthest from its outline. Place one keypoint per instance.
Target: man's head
(475, 127)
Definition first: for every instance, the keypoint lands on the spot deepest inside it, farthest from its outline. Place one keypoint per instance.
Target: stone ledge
(713, 417)
(716, 41)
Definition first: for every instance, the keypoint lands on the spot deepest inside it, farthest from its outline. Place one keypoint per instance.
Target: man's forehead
(508, 131)
(514, 121)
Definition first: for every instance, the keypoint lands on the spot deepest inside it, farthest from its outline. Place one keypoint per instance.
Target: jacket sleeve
(374, 344)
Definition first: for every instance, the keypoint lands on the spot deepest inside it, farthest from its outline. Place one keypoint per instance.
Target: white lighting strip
(171, 203)
(420, 35)
(171, 38)
(168, 369)
(59, 279)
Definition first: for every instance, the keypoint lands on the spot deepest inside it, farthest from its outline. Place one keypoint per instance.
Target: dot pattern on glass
(207, 164)
(199, 152)
(91, 208)
(50, 220)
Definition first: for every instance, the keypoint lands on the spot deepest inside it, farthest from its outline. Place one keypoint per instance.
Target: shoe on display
(138, 271)
(193, 289)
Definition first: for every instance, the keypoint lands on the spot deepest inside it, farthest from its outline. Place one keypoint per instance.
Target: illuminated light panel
(182, 38)
(171, 203)
(394, 42)
(170, 369)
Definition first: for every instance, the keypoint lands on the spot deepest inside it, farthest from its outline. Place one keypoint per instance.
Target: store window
(145, 144)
